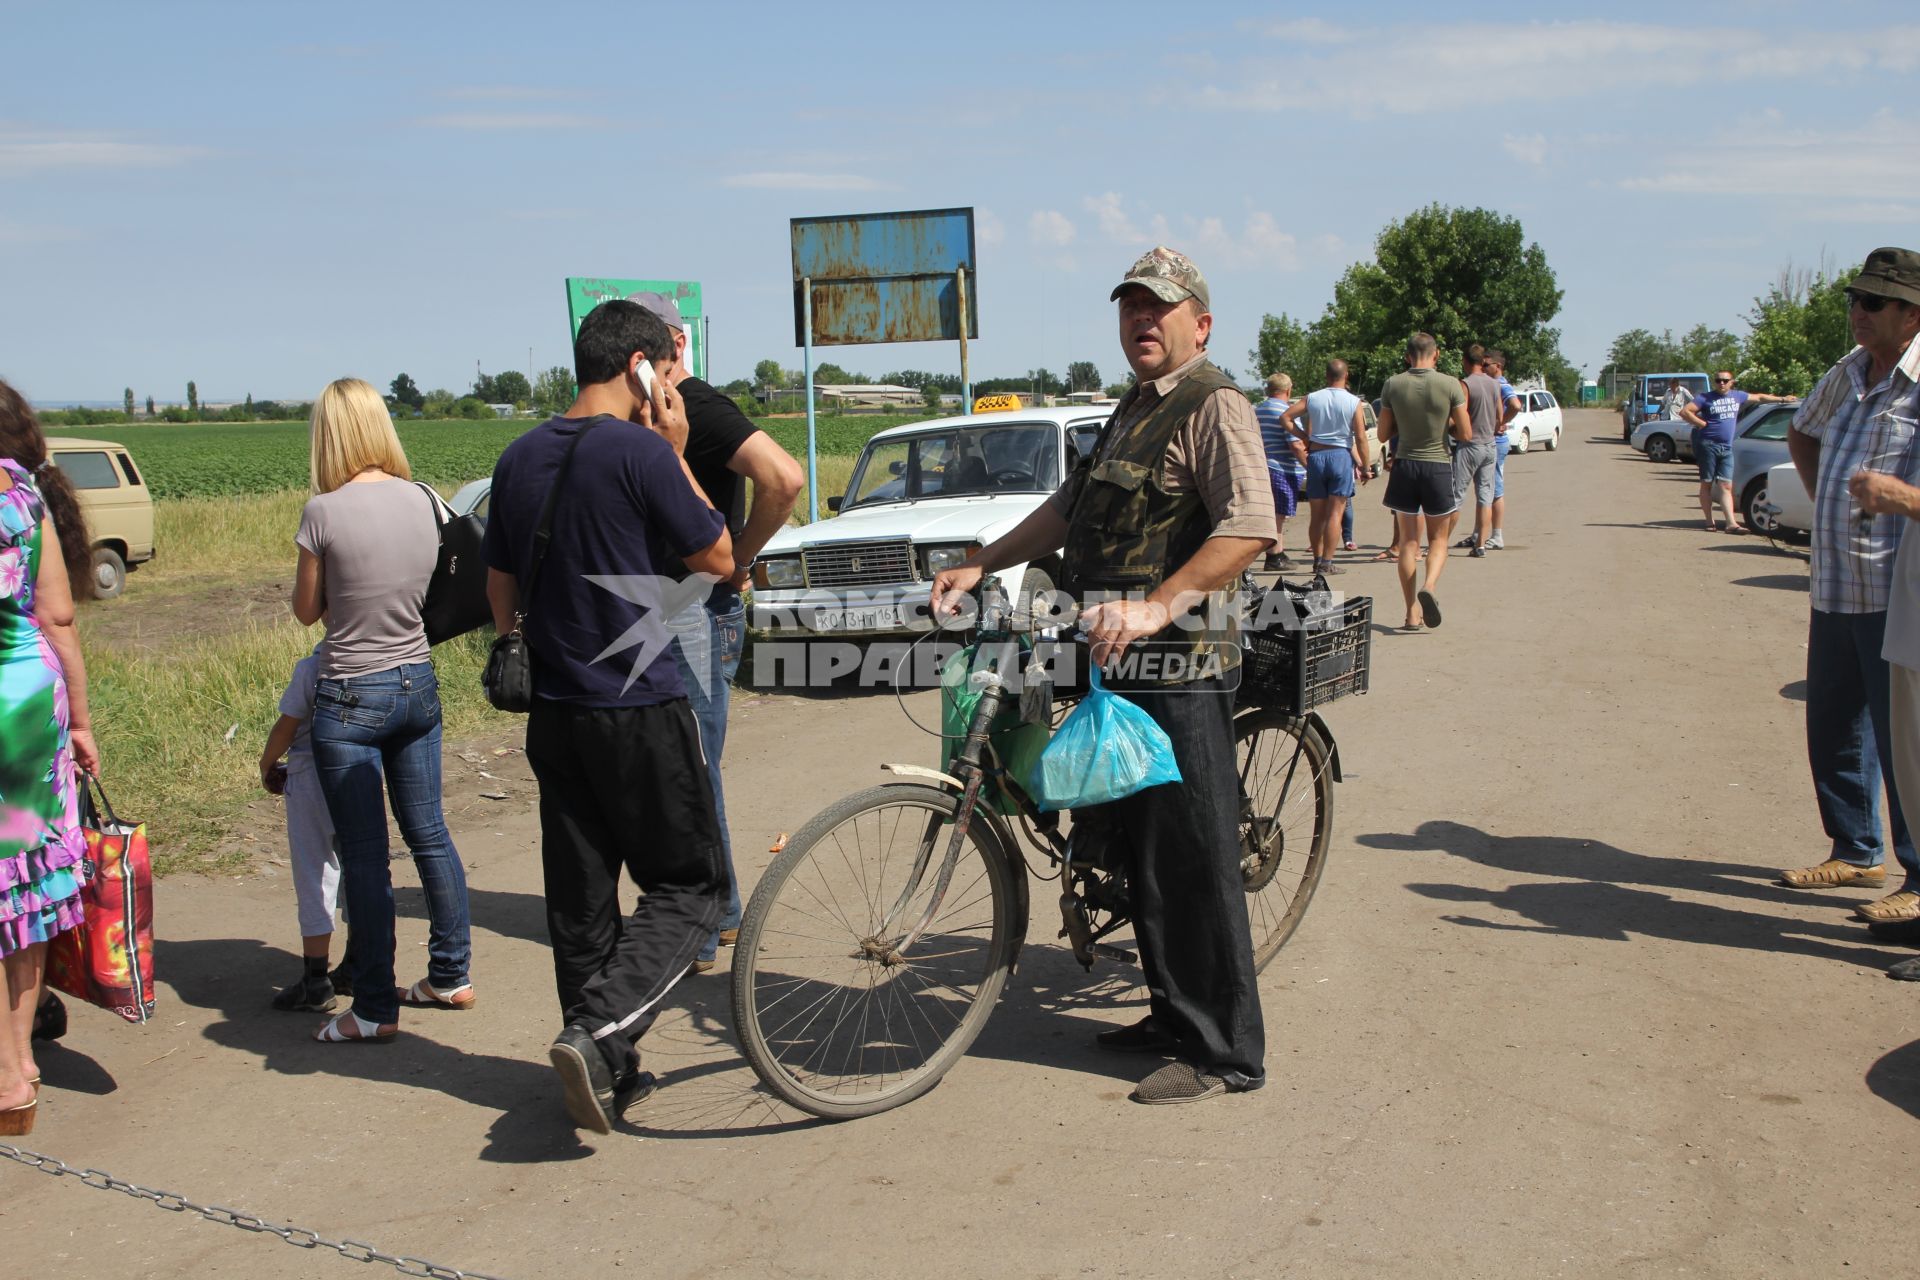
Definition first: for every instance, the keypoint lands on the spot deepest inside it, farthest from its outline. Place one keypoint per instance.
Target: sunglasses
(1720, 381)
(1867, 302)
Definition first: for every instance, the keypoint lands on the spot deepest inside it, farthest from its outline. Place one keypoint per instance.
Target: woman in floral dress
(45, 739)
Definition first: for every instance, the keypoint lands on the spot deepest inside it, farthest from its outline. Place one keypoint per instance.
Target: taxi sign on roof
(996, 404)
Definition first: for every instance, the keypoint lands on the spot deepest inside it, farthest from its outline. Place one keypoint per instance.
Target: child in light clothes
(310, 841)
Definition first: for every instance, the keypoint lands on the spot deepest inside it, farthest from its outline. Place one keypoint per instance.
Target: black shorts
(1417, 488)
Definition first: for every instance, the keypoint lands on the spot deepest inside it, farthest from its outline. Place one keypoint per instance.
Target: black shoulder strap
(543, 534)
(439, 514)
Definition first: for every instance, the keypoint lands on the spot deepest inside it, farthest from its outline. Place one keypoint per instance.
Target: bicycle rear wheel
(831, 1019)
(1286, 822)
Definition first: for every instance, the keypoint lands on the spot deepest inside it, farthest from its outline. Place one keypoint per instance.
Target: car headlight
(940, 559)
(778, 572)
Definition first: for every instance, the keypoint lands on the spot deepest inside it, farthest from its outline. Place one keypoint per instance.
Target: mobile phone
(644, 372)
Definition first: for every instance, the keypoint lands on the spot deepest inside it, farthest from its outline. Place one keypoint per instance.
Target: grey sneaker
(585, 1078)
(1183, 1082)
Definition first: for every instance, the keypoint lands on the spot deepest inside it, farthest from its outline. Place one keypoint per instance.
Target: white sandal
(423, 994)
(351, 1028)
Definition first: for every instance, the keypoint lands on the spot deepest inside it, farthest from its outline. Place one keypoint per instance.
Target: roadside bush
(472, 409)
(178, 413)
(751, 406)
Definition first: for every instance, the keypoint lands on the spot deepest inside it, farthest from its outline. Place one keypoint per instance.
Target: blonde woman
(367, 545)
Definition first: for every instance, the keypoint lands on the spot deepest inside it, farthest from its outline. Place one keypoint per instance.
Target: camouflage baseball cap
(1170, 276)
(1890, 273)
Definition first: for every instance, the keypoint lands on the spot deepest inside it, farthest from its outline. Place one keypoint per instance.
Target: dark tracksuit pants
(624, 787)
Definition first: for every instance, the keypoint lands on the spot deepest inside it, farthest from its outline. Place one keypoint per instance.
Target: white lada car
(922, 498)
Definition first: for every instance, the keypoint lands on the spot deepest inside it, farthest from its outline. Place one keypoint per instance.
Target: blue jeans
(1714, 460)
(1500, 448)
(387, 724)
(706, 648)
(1850, 738)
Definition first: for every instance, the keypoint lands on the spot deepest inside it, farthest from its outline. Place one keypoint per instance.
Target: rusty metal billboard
(884, 277)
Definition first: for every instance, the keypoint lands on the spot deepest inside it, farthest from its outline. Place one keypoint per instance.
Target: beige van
(118, 507)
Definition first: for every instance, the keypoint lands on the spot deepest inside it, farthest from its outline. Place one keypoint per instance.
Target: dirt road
(1549, 1015)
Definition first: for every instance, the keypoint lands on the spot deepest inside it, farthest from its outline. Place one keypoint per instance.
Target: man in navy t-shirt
(611, 738)
(1714, 417)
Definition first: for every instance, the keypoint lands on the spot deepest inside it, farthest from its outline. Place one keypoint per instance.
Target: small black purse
(456, 601)
(508, 678)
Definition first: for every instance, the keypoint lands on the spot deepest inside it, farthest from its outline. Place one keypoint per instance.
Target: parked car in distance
(116, 502)
(1664, 440)
(1538, 423)
(921, 498)
(1787, 508)
(1649, 390)
(1760, 446)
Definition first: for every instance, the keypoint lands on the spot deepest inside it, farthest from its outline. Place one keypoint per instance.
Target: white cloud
(24, 233)
(806, 182)
(1050, 227)
(988, 229)
(1417, 68)
(508, 93)
(1113, 220)
(1308, 31)
(1527, 148)
(1258, 242)
(27, 151)
(1854, 175)
(512, 121)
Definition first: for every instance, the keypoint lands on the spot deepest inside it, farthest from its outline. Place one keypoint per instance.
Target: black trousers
(624, 787)
(1189, 901)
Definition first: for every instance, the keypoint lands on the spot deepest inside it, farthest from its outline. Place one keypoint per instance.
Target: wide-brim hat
(1890, 273)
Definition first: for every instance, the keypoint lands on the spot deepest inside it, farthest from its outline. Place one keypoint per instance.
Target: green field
(225, 459)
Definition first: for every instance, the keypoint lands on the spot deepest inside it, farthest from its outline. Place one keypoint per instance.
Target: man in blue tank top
(1335, 433)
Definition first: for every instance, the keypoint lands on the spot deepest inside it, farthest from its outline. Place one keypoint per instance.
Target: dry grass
(181, 722)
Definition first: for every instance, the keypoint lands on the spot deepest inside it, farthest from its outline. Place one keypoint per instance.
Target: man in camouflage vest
(1172, 505)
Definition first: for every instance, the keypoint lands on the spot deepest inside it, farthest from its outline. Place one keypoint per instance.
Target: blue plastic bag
(1105, 749)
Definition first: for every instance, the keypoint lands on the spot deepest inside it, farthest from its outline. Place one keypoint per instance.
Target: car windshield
(958, 462)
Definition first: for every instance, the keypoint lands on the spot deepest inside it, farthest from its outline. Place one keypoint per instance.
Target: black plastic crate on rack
(1325, 654)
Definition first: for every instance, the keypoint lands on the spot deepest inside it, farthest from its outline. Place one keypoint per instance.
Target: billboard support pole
(806, 370)
(966, 380)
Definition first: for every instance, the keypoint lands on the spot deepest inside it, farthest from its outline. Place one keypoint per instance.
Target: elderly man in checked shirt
(1860, 420)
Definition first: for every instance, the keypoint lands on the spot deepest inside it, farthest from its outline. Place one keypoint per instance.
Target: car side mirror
(897, 467)
(833, 503)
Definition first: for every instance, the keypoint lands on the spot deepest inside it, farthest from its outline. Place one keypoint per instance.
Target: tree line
(1462, 275)
(1796, 331)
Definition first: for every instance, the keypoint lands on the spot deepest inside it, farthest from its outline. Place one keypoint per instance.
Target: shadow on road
(1595, 900)
(1896, 1078)
(1795, 692)
(1775, 582)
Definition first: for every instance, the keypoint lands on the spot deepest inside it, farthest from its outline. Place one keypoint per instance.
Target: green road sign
(584, 293)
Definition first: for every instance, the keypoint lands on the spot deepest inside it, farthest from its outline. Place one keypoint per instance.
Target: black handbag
(508, 678)
(456, 600)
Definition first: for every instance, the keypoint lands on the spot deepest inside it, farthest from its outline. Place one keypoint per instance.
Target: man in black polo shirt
(724, 449)
(611, 737)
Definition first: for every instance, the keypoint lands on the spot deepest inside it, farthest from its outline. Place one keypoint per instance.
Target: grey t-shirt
(378, 544)
(1483, 406)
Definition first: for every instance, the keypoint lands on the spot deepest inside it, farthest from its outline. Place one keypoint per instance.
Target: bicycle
(876, 945)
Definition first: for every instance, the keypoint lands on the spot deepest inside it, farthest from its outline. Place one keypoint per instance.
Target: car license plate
(866, 618)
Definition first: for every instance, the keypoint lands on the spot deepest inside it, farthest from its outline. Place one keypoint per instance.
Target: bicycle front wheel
(835, 1020)
(1286, 822)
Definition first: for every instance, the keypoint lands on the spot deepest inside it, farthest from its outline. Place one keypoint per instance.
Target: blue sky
(265, 197)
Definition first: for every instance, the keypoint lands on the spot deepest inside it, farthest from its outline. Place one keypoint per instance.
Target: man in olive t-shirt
(1421, 408)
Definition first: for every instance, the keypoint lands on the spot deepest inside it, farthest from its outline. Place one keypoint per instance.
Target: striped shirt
(1859, 427)
(1275, 438)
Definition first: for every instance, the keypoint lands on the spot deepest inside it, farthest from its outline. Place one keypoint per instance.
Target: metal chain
(358, 1250)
